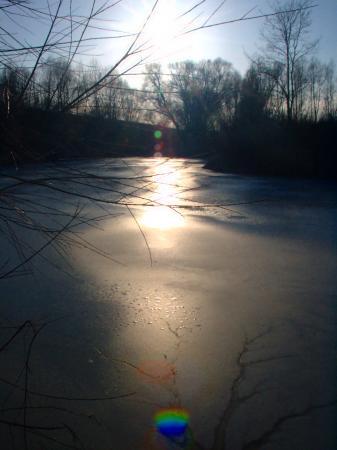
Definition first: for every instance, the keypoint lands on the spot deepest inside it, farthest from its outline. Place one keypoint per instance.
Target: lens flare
(157, 372)
(158, 134)
(172, 422)
(159, 147)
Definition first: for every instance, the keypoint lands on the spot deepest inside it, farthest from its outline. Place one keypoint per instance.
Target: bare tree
(329, 90)
(285, 35)
(158, 98)
(195, 96)
(256, 93)
(315, 74)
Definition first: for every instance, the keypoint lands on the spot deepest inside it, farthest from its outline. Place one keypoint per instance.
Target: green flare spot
(158, 134)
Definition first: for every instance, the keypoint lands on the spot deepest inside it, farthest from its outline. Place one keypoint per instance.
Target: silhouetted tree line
(55, 86)
(279, 118)
(239, 123)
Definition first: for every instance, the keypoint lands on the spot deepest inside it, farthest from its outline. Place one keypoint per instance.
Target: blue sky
(232, 42)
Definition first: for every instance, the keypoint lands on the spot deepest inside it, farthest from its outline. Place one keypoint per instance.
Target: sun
(162, 33)
(162, 28)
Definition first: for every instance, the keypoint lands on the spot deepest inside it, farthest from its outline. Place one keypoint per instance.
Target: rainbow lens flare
(172, 422)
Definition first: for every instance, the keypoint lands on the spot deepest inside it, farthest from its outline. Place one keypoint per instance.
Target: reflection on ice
(166, 189)
(162, 217)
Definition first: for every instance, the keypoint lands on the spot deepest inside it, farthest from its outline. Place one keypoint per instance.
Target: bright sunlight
(163, 216)
(164, 25)
(161, 32)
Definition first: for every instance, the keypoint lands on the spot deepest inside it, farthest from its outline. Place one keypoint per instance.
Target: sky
(234, 41)
(163, 36)
(237, 41)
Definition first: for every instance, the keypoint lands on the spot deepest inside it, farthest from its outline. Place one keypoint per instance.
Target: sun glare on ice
(163, 216)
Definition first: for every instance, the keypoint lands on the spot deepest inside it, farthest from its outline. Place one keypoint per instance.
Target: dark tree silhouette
(285, 35)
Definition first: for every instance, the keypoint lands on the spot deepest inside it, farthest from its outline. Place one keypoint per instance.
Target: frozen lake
(174, 287)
